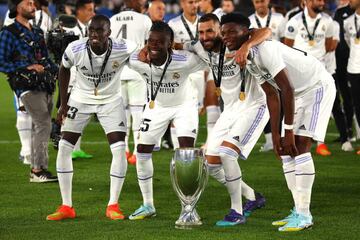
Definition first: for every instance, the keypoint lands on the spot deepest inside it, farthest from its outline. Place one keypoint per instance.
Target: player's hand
(36, 67)
(277, 145)
(62, 112)
(289, 147)
(144, 55)
(242, 54)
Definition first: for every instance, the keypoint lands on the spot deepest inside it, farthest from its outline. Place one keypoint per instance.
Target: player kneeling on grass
(307, 93)
(170, 100)
(98, 59)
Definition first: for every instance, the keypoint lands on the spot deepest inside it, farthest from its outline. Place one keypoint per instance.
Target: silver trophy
(189, 175)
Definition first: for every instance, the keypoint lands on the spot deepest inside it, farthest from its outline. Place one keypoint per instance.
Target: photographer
(24, 58)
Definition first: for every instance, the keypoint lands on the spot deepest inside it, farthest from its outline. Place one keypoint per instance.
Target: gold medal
(357, 40)
(242, 96)
(218, 92)
(151, 104)
(95, 92)
(312, 43)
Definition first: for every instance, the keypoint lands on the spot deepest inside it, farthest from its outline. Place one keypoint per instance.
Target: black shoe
(42, 177)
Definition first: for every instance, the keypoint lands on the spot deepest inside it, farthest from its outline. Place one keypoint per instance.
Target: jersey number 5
(144, 126)
(123, 31)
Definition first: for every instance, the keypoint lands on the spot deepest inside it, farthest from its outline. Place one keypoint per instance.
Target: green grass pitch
(24, 205)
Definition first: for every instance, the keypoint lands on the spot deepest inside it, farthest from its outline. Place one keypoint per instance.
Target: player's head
(209, 31)
(99, 31)
(160, 40)
(208, 6)
(316, 5)
(84, 10)
(355, 4)
(228, 6)
(137, 5)
(156, 10)
(234, 30)
(22, 8)
(261, 6)
(189, 7)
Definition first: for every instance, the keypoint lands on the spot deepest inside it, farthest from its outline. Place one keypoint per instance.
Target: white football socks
(117, 170)
(289, 173)
(145, 171)
(233, 176)
(64, 169)
(174, 137)
(247, 191)
(217, 172)
(212, 115)
(128, 124)
(77, 146)
(136, 114)
(24, 126)
(305, 175)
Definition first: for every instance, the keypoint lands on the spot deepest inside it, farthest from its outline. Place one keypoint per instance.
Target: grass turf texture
(25, 205)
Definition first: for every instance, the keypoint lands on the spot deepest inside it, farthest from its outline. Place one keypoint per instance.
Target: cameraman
(24, 58)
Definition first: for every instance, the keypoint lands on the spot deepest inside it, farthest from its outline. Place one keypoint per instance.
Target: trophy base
(179, 224)
(188, 220)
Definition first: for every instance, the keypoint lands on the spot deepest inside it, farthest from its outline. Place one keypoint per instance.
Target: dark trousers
(342, 85)
(354, 80)
(340, 118)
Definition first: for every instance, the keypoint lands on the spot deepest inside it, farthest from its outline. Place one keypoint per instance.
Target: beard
(318, 9)
(29, 15)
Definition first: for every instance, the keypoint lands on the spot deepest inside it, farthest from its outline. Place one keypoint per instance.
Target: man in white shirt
(308, 92)
(264, 17)
(132, 25)
(84, 11)
(185, 29)
(311, 31)
(170, 99)
(352, 38)
(97, 60)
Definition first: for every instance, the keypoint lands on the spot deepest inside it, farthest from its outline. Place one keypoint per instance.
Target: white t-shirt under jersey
(303, 70)
(296, 30)
(350, 35)
(108, 90)
(275, 23)
(133, 26)
(176, 87)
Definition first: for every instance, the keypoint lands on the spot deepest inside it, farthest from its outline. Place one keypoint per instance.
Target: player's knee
(186, 142)
(227, 153)
(142, 148)
(70, 137)
(213, 159)
(303, 144)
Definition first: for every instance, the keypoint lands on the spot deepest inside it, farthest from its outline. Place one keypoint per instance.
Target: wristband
(288, 127)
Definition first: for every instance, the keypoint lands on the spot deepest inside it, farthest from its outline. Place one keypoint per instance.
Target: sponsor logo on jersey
(115, 64)
(176, 75)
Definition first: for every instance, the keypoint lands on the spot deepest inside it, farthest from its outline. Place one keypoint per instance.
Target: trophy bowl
(189, 175)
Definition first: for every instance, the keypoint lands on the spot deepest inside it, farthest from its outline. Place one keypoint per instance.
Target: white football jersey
(176, 87)
(181, 35)
(330, 58)
(282, 26)
(80, 29)
(275, 22)
(231, 78)
(76, 55)
(219, 13)
(350, 38)
(45, 24)
(303, 70)
(295, 29)
(133, 26)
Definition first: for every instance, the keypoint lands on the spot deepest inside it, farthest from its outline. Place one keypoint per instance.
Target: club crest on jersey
(176, 75)
(115, 64)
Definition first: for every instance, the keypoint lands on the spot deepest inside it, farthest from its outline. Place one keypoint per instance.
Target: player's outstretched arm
(64, 78)
(257, 36)
(288, 104)
(273, 103)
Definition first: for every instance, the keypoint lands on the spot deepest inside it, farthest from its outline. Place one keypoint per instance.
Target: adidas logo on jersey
(302, 127)
(237, 138)
(84, 68)
(122, 124)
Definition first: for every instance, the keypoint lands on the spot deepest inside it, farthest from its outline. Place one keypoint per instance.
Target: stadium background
(24, 206)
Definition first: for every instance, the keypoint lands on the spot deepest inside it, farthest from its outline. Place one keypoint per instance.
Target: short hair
(162, 27)
(101, 18)
(81, 3)
(216, 3)
(237, 18)
(209, 17)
